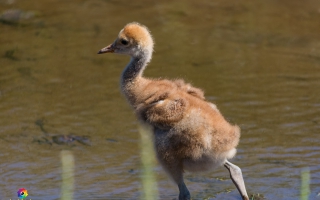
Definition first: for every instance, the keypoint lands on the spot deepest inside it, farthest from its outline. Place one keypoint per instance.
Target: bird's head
(134, 40)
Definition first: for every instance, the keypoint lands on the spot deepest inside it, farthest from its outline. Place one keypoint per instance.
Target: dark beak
(108, 49)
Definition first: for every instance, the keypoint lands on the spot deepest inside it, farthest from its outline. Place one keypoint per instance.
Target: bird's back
(181, 109)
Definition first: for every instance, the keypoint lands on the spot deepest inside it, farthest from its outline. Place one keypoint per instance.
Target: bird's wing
(162, 109)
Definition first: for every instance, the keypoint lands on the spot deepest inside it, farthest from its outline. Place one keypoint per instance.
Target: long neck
(135, 68)
(131, 79)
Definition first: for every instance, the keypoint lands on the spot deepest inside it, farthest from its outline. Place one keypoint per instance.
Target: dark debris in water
(40, 123)
(42, 140)
(63, 140)
(59, 139)
(9, 54)
(111, 140)
(68, 139)
(133, 171)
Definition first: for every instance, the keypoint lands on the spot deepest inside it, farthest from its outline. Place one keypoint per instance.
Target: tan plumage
(189, 132)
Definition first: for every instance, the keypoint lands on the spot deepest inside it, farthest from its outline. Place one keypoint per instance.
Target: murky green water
(259, 61)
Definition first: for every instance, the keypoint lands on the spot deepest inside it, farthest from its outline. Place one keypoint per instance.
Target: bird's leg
(176, 172)
(184, 193)
(237, 179)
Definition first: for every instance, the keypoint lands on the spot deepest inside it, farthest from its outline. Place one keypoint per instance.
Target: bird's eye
(124, 42)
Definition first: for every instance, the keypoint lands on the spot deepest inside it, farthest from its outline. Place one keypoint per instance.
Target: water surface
(259, 61)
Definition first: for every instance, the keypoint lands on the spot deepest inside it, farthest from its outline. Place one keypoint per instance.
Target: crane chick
(189, 132)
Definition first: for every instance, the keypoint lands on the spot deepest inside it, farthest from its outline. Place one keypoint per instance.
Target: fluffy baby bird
(189, 132)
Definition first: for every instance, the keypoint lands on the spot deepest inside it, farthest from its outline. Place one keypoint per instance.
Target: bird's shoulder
(160, 89)
(189, 89)
(157, 90)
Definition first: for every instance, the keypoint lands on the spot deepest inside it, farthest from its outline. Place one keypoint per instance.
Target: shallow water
(259, 61)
